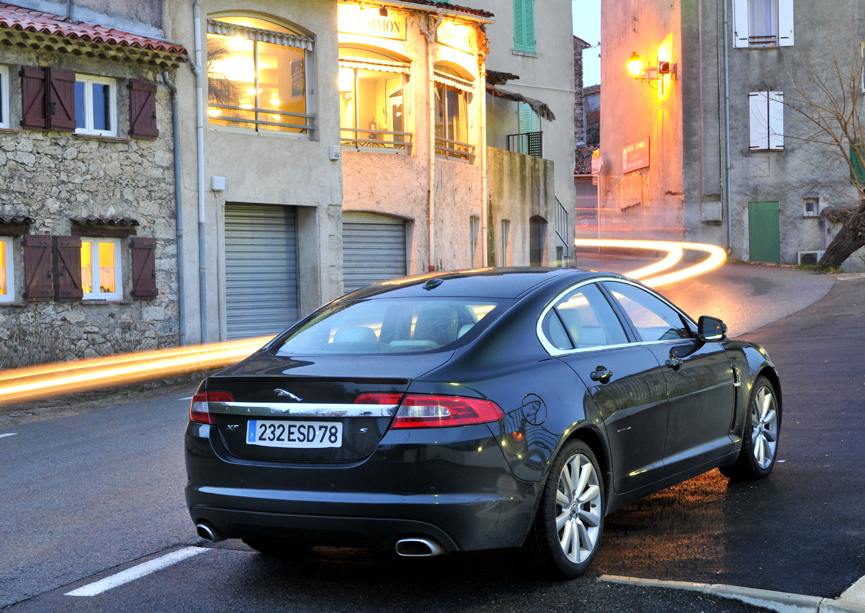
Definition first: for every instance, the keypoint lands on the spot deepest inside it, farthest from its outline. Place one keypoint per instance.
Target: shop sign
(597, 164)
(457, 37)
(635, 155)
(368, 22)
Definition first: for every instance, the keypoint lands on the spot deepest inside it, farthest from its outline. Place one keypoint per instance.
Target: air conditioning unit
(810, 258)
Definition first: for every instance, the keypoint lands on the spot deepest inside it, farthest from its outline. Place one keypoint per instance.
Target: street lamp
(650, 73)
(635, 65)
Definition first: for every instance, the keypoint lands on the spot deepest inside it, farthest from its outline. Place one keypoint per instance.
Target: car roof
(476, 283)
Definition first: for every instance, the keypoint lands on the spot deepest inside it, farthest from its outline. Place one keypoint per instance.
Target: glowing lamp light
(214, 112)
(635, 64)
(346, 80)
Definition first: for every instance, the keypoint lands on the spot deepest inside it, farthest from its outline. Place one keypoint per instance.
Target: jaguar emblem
(283, 393)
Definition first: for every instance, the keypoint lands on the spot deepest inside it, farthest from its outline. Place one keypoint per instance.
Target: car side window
(654, 319)
(589, 318)
(555, 331)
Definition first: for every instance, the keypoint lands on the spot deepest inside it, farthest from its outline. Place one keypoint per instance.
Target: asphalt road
(85, 496)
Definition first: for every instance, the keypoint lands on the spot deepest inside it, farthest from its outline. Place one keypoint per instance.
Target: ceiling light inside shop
(214, 112)
(238, 43)
(274, 101)
(346, 79)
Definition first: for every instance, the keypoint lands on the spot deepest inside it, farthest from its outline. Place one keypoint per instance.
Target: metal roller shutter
(260, 269)
(373, 249)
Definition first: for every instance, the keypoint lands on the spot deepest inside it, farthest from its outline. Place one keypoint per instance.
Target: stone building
(88, 251)
(704, 145)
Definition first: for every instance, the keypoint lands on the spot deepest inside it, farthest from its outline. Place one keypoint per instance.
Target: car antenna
(432, 284)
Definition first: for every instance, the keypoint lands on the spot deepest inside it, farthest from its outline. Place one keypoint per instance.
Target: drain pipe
(177, 203)
(727, 199)
(432, 137)
(199, 111)
(483, 146)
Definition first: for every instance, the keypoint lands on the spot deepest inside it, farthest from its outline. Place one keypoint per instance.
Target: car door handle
(601, 374)
(674, 362)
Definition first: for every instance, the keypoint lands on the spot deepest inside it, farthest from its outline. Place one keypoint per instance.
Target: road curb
(776, 601)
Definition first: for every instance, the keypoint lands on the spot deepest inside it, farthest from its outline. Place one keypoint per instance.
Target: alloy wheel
(764, 427)
(578, 508)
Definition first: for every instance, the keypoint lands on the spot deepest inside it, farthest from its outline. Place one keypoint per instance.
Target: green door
(763, 232)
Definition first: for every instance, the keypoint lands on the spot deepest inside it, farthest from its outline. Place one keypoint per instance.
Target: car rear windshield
(395, 325)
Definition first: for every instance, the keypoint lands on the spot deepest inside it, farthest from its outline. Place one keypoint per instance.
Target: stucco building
(705, 146)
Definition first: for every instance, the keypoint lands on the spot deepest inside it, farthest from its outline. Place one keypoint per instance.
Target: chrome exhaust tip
(208, 532)
(418, 547)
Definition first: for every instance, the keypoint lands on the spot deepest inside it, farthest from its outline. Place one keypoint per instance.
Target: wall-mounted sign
(457, 37)
(351, 19)
(635, 155)
(597, 164)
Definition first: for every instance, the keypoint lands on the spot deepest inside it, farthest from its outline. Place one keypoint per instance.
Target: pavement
(91, 494)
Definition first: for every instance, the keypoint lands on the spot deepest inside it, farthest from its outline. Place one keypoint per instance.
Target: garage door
(373, 249)
(260, 269)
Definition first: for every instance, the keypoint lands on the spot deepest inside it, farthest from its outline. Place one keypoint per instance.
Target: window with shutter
(519, 41)
(67, 273)
(142, 107)
(33, 97)
(95, 105)
(767, 121)
(38, 268)
(524, 25)
(101, 270)
(740, 23)
(7, 270)
(144, 268)
(776, 120)
(785, 23)
(61, 100)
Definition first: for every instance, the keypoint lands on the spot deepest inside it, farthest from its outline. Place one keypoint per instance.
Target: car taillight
(199, 412)
(422, 411)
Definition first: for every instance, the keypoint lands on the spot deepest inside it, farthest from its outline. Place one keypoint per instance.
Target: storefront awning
(540, 108)
(257, 34)
(363, 63)
(453, 82)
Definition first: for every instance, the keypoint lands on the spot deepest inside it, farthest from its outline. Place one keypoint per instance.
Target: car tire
(561, 516)
(760, 438)
(275, 549)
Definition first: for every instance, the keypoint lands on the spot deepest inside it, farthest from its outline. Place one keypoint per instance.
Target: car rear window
(396, 325)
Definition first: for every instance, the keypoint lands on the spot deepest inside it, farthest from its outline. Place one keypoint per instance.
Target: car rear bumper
(449, 484)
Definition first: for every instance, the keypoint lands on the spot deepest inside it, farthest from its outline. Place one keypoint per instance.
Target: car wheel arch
(592, 437)
(772, 375)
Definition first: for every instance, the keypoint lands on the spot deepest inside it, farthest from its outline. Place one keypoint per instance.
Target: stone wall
(53, 176)
(579, 115)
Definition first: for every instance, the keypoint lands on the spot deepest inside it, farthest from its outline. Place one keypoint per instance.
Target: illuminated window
(101, 277)
(7, 270)
(4, 97)
(453, 96)
(95, 106)
(372, 101)
(256, 75)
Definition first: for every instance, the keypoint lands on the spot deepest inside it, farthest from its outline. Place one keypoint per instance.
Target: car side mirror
(711, 329)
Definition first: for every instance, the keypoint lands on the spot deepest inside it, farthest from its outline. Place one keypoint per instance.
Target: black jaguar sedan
(474, 410)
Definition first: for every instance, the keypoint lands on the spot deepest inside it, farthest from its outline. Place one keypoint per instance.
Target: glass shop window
(453, 97)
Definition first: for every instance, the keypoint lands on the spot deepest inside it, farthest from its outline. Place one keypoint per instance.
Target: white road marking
(187, 398)
(136, 572)
(9, 434)
(855, 593)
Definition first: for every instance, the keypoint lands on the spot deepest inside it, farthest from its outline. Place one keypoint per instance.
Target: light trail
(675, 252)
(36, 382)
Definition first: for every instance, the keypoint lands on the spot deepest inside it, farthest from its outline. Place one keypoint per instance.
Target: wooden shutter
(529, 24)
(776, 120)
(785, 23)
(741, 20)
(61, 100)
(67, 268)
(519, 39)
(759, 111)
(33, 98)
(142, 108)
(144, 268)
(38, 268)
(857, 156)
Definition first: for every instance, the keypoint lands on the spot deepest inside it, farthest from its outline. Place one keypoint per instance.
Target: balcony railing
(561, 221)
(381, 141)
(456, 150)
(305, 127)
(528, 143)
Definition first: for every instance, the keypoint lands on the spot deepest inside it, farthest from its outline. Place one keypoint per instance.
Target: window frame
(629, 331)
(4, 98)
(89, 81)
(9, 241)
(813, 214)
(94, 268)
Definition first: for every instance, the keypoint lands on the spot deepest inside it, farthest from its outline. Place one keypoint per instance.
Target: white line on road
(187, 398)
(136, 572)
(855, 593)
(9, 434)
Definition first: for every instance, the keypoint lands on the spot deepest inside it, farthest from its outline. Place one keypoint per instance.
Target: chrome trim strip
(555, 351)
(301, 409)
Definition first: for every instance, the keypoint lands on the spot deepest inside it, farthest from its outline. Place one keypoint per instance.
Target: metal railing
(770, 40)
(372, 140)
(528, 143)
(562, 222)
(452, 149)
(306, 127)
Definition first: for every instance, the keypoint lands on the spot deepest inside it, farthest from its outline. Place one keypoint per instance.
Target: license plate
(294, 434)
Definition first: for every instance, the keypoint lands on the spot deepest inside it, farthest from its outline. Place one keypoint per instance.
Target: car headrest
(437, 324)
(573, 322)
(355, 335)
